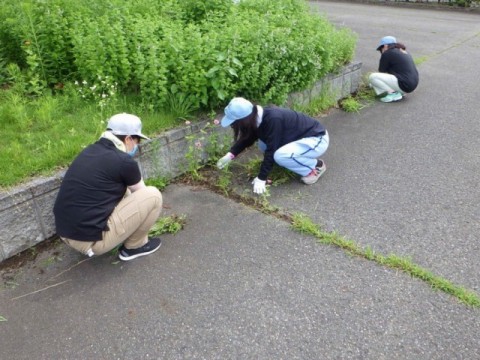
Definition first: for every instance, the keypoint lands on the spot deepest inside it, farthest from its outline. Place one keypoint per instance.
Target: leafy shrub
(66, 66)
(207, 50)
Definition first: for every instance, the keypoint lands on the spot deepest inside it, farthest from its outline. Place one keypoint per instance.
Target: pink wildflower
(216, 121)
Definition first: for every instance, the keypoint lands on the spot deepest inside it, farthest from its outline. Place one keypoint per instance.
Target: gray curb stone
(26, 217)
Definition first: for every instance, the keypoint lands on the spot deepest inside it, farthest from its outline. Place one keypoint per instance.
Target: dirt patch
(36, 263)
(29, 255)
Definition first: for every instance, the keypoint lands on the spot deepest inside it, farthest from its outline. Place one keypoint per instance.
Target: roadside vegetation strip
(220, 182)
(303, 224)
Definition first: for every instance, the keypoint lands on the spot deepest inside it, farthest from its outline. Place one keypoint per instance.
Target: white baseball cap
(125, 124)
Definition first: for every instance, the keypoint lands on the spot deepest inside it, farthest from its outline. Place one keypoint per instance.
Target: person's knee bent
(155, 193)
(279, 157)
(372, 77)
(152, 196)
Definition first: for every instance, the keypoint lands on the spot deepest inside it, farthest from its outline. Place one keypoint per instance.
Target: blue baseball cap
(386, 40)
(238, 108)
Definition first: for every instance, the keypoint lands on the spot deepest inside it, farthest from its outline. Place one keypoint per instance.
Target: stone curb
(26, 217)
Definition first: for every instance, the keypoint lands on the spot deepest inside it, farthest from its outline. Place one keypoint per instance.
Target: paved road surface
(238, 284)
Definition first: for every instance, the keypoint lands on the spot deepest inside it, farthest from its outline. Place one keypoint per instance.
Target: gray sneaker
(313, 177)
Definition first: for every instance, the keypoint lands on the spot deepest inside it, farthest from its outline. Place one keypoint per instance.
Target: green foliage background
(66, 66)
(207, 51)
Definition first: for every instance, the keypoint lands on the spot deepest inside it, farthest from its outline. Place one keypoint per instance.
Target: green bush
(66, 66)
(207, 51)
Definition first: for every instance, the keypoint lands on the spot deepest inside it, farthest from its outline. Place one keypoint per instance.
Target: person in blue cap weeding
(291, 139)
(397, 73)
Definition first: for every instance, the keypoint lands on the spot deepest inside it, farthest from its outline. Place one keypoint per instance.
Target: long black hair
(397, 46)
(246, 127)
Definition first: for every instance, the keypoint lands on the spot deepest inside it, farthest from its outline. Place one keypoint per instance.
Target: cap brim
(143, 136)
(227, 121)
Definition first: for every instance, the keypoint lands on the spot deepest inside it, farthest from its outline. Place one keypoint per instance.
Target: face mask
(133, 151)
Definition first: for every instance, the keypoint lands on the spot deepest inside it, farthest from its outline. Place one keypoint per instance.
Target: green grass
(350, 104)
(278, 175)
(41, 135)
(168, 225)
(160, 182)
(420, 60)
(303, 224)
(318, 105)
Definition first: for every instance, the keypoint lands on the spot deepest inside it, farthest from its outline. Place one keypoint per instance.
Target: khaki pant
(129, 223)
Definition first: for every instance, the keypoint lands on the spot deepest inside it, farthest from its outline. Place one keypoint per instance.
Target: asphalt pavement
(235, 283)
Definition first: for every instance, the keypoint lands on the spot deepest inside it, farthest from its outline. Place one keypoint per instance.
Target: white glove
(259, 186)
(225, 160)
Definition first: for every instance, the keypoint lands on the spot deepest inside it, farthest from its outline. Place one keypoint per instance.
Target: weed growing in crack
(160, 182)
(225, 180)
(216, 145)
(420, 60)
(261, 203)
(170, 224)
(304, 225)
(350, 104)
(194, 156)
(278, 175)
(50, 261)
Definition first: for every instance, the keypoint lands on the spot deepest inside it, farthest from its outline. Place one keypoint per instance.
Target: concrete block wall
(338, 85)
(26, 216)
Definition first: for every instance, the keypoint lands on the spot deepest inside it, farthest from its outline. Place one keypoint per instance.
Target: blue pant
(300, 156)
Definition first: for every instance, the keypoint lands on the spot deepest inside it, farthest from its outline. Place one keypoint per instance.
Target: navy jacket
(279, 127)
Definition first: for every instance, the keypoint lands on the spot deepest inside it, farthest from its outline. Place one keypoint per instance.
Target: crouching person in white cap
(103, 201)
(291, 139)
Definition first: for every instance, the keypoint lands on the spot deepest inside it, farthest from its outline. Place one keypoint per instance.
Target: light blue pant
(300, 156)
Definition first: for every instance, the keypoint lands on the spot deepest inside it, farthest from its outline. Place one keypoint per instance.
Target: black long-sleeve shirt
(400, 64)
(279, 127)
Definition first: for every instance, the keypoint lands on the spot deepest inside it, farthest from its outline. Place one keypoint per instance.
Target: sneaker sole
(322, 171)
(395, 100)
(131, 257)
